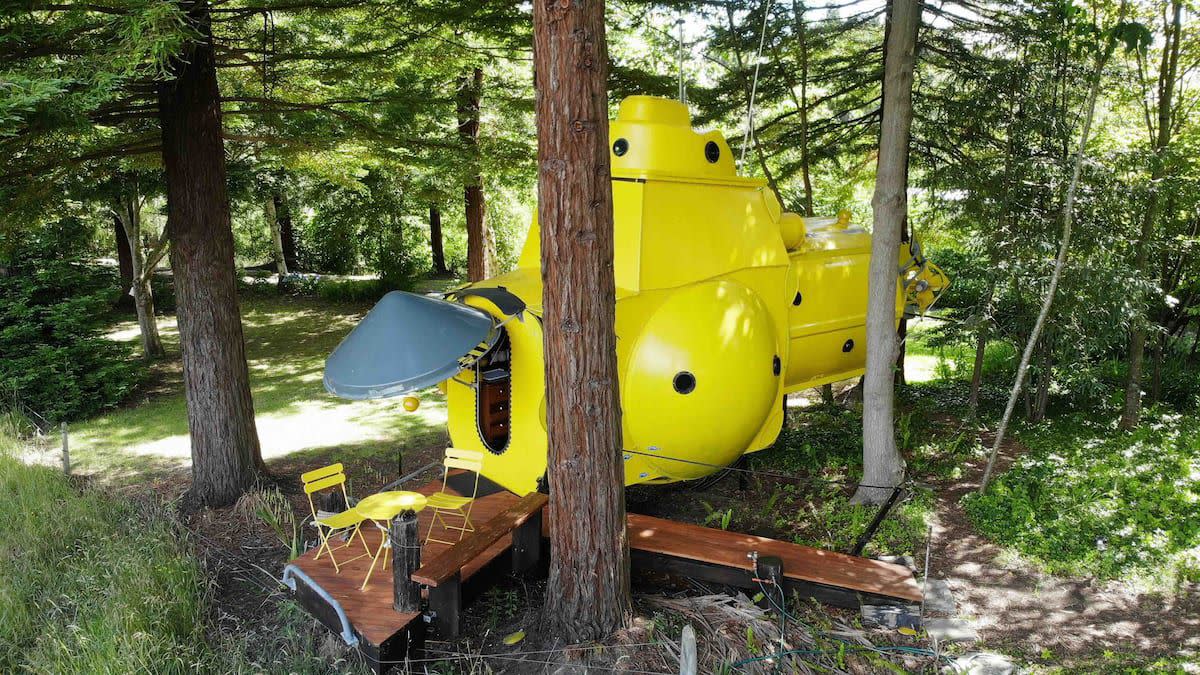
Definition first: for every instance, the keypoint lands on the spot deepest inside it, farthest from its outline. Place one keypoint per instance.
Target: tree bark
(470, 91)
(1068, 216)
(977, 370)
(271, 216)
(226, 459)
(1137, 338)
(805, 158)
(589, 566)
(435, 240)
(287, 233)
(882, 464)
(124, 263)
(1156, 358)
(129, 215)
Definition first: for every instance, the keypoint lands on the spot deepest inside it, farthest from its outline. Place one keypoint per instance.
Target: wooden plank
(449, 562)
(730, 549)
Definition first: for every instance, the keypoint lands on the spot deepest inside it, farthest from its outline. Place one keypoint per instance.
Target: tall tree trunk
(271, 216)
(882, 464)
(589, 563)
(470, 92)
(1068, 217)
(1042, 400)
(129, 215)
(435, 240)
(226, 459)
(805, 158)
(1156, 358)
(1137, 337)
(287, 233)
(124, 262)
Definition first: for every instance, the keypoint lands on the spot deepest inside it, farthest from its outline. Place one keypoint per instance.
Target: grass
(113, 587)
(108, 588)
(1088, 499)
(287, 340)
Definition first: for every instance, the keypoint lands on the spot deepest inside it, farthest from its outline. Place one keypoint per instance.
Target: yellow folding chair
(328, 524)
(444, 504)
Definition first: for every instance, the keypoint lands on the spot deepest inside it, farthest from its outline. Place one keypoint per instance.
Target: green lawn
(287, 340)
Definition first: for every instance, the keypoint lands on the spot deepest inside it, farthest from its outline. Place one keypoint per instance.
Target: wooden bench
(443, 573)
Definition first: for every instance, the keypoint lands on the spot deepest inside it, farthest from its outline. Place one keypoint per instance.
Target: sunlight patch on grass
(287, 340)
(922, 367)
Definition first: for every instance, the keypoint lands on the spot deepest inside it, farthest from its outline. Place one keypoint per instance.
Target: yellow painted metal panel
(707, 267)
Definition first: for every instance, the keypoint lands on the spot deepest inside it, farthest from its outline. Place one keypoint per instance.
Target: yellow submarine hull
(724, 304)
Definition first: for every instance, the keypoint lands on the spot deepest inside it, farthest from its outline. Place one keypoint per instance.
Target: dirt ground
(1017, 610)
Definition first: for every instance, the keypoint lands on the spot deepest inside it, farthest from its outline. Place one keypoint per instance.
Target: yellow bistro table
(381, 508)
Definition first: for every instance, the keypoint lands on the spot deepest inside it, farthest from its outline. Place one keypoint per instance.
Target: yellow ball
(411, 403)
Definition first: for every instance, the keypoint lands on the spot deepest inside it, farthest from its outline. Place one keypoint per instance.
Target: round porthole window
(712, 152)
(684, 382)
(620, 147)
(847, 345)
(797, 300)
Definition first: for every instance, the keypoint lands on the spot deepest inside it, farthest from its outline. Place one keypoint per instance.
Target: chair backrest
(324, 478)
(468, 460)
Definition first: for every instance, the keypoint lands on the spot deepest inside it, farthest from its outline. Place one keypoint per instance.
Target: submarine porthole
(620, 147)
(712, 152)
(798, 299)
(493, 396)
(776, 365)
(847, 345)
(684, 382)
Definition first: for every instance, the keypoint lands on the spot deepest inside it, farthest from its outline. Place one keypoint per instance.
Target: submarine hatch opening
(493, 396)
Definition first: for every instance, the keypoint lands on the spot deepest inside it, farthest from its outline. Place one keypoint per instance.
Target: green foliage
(1088, 499)
(335, 289)
(824, 452)
(52, 307)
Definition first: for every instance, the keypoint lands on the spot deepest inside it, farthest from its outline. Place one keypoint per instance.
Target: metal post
(66, 450)
(687, 656)
(879, 516)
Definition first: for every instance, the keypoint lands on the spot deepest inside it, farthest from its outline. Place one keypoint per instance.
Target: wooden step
(801, 563)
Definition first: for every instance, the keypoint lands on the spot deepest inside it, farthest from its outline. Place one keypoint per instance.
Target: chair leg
(327, 548)
(370, 571)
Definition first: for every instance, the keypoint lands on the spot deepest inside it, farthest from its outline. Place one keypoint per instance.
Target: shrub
(52, 311)
(335, 290)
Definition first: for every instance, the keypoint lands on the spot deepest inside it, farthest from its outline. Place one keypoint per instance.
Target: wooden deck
(664, 545)
(370, 611)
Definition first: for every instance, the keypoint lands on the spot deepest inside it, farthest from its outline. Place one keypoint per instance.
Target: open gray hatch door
(408, 342)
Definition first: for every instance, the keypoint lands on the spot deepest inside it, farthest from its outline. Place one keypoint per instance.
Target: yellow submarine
(725, 304)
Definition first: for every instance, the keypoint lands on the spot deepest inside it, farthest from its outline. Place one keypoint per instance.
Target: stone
(892, 616)
(950, 630)
(938, 597)
(982, 663)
